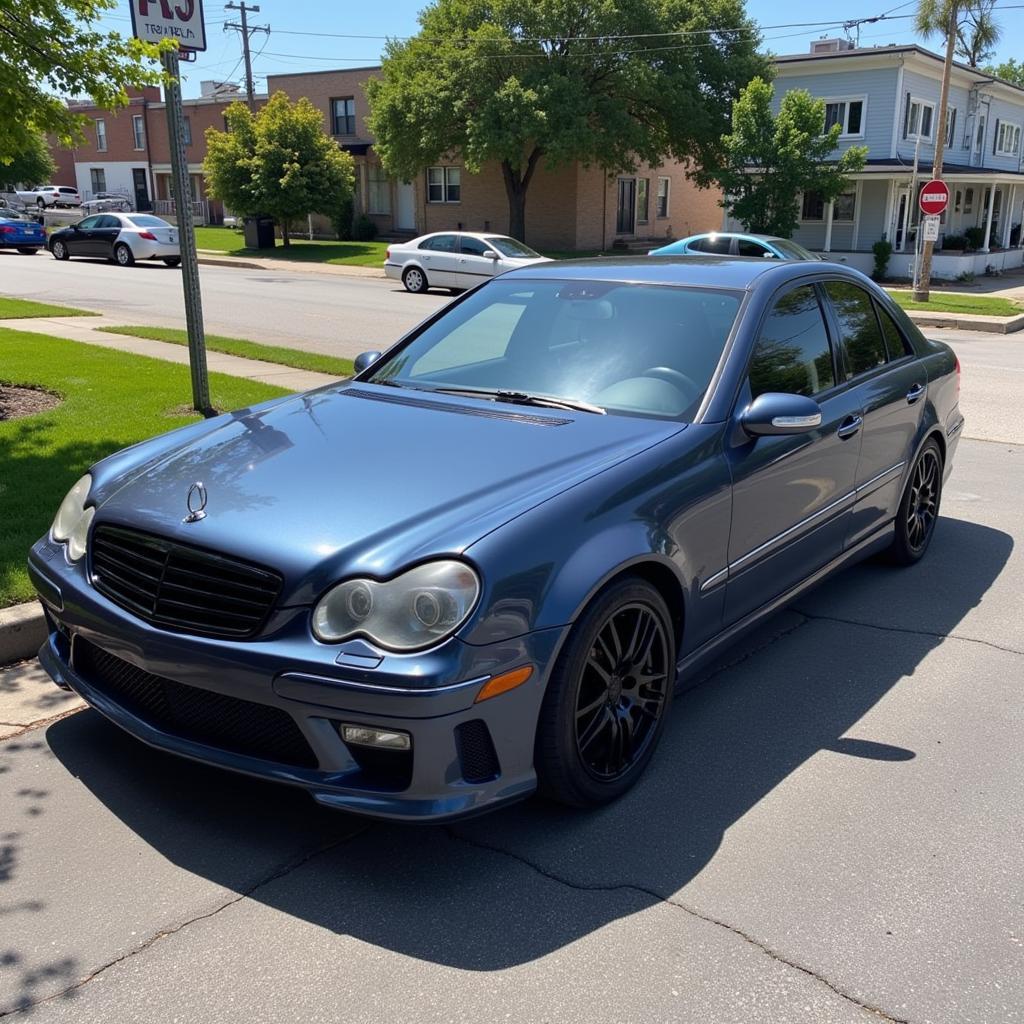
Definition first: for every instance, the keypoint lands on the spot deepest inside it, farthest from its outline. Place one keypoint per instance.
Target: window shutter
(995, 137)
(906, 117)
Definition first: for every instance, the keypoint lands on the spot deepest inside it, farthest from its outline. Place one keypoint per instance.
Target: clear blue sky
(300, 40)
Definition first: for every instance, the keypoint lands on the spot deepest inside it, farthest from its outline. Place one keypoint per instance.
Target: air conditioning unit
(831, 45)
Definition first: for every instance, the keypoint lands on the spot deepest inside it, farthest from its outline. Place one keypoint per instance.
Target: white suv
(52, 195)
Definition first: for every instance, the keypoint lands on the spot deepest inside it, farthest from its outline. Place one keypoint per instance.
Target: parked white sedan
(455, 259)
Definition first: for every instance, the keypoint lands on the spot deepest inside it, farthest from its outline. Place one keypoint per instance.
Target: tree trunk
(285, 237)
(516, 184)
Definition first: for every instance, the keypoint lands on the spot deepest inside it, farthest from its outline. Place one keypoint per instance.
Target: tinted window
(745, 247)
(510, 247)
(440, 243)
(792, 354)
(718, 244)
(90, 222)
(108, 222)
(859, 333)
(895, 343)
(473, 246)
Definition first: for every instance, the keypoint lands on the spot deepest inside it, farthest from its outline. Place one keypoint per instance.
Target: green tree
(279, 162)
(1009, 71)
(33, 165)
(606, 83)
(770, 159)
(55, 48)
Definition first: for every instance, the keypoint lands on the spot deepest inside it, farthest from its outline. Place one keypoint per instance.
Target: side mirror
(774, 413)
(365, 359)
(491, 254)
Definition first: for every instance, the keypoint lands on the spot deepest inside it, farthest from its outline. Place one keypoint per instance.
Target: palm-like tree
(977, 33)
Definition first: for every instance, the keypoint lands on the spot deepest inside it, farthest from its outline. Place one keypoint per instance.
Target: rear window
(70, 191)
(144, 221)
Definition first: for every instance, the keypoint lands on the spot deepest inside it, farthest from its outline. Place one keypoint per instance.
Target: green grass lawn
(351, 254)
(111, 400)
(985, 305)
(18, 308)
(333, 365)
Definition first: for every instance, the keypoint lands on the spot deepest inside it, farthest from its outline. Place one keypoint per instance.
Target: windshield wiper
(524, 398)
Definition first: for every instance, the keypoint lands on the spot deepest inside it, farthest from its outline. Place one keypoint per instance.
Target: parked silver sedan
(455, 259)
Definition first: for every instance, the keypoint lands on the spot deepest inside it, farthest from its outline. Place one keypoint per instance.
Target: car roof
(736, 234)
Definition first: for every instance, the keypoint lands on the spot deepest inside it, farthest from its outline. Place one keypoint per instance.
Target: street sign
(934, 197)
(181, 20)
(931, 228)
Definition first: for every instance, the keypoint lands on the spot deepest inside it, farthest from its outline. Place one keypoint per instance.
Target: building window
(444, 184)
(187, 129)
(848, 114)
(813, 207)
(958, 198)
(643, 199)
(918, 122)
(845, 208)
(343, 116)
(662, 203)
(379, 188)
(139, 131)
(968, 200)
(950, 126)
(1007, 139)
(97, 179)
(101, 135)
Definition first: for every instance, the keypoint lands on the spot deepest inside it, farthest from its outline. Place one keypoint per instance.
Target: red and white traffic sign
(934, 197)
(181, 20)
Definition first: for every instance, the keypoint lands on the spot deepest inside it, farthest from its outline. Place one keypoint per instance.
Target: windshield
(510, 247)
(149, 222)
(628, 348)
(793, 250)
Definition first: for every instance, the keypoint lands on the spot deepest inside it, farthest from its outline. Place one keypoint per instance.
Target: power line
(246, 33)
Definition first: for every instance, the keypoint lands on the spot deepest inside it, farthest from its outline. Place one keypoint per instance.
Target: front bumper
(289, 671)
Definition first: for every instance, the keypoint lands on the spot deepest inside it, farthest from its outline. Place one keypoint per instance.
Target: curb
(22, 632)
(967, 322)
(293, 266)
(227, 261)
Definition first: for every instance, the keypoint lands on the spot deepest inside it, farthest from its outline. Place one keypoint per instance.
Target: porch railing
(168, 207)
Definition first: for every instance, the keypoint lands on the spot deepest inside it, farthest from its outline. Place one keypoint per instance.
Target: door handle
(915, 393)
(849, 426)
(426, 259)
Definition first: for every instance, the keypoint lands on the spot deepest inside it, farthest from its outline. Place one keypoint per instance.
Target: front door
(901, 215)
(439, 257)
(405, 207)
(142, 203)
(791, 494)
(474, 267)
(625, 216)
(82, 241)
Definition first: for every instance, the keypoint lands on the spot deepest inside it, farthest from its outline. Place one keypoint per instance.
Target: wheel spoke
(593, 730)
(592, 706)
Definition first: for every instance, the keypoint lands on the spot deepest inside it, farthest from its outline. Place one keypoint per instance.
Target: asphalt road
(831, 831)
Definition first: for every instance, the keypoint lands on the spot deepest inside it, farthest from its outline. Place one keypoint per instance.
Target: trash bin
(259, 232)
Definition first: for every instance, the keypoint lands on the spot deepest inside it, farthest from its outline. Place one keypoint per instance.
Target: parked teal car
(730, 243)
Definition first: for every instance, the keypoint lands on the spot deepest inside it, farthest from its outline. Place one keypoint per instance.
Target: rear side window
(719, 245)
(793, 354)
(859, 333)
(895, 343)
(440, 243)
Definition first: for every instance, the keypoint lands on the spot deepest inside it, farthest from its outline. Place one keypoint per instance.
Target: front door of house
(142, 202)
(405, 207)
(901, 216)
(625, 216)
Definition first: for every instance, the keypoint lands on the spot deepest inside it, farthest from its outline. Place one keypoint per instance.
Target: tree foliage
(606, 83)
(33, 165)
(977, 31)
(770, 159)
(1009, 71)
(55, 48)
(278, 161)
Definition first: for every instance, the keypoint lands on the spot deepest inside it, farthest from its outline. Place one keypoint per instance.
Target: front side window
(663, 190)
(748, 247)
(101, 134)
(139, 131)
(793, 354)
(88, 222)
(859, 333)
(343, 116)
(472, 246)
(628, 348)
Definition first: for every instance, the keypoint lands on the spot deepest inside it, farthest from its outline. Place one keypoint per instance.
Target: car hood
(362, 479)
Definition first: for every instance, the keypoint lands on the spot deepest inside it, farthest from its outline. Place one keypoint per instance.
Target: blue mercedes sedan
(483, 565)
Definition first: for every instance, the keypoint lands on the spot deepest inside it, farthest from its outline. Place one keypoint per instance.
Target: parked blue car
(20, 232)
(482, 565)
(730, 243)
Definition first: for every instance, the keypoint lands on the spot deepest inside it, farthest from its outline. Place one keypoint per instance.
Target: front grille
(179, 587)
(213, 719)
(477, 755)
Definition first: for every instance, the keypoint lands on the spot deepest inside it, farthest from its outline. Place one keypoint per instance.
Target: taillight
(6, 229)
(387, 254)
(148, 235)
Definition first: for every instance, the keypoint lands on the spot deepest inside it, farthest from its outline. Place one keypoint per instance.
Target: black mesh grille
(214, 719)
(179, 587)
(476, 752)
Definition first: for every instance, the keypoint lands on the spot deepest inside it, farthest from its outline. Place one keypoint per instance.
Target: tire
(604, 712)
(60, 250)
(919, 507)
(172, 261)
(123, 256)
(415, 280)
(28, 252)
(41, 203)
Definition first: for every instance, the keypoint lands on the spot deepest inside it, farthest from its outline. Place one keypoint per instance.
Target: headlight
(73, 519)
(416, 609)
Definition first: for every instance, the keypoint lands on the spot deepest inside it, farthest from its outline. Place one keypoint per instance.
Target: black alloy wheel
(919, 508)
(608, 696)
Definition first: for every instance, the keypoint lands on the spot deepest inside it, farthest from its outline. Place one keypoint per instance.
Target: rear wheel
(123, 256)
(60, 251)
(919, 508)
(172, 261)
(608, 697)
(41, 203)
(414, 280)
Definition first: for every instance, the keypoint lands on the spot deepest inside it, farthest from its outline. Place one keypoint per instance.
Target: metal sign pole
(187, 239)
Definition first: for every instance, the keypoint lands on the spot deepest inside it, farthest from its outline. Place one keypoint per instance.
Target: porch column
(1009, 218)
(988, 219)
(856, 214)
(890, 199)
(828, 226)
(906, 220)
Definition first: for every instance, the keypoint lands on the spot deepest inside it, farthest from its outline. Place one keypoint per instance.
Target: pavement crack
(676, 904)
(718, 667)
(39, 723)
(914, 632)
(280, 872)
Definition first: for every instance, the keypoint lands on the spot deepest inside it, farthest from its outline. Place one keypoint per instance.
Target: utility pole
(246, 33)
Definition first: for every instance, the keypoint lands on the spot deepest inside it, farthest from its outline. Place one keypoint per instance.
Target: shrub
(882, 250)
(967, 276)
(341, 219)
(975, 237)
(364, 230)
(954, 242)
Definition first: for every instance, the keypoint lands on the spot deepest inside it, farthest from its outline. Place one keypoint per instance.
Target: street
(830, 830)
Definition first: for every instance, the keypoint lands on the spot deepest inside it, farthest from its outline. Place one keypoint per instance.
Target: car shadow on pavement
(507, 888)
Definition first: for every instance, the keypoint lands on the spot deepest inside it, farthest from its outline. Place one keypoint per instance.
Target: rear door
(473, 267)
(792, 495)
(890, 385)
(439, 257)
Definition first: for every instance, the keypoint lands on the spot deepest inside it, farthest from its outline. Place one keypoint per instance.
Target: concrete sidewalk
(215, 258)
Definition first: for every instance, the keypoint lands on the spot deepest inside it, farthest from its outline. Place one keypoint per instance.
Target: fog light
(367, 736)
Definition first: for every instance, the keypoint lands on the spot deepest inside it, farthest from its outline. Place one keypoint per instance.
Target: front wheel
(28, 252)
(60, 251)
(41, 203)
(123, 256)
(414, 280)
(919, 507)
(608, 697)
(172, 261)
